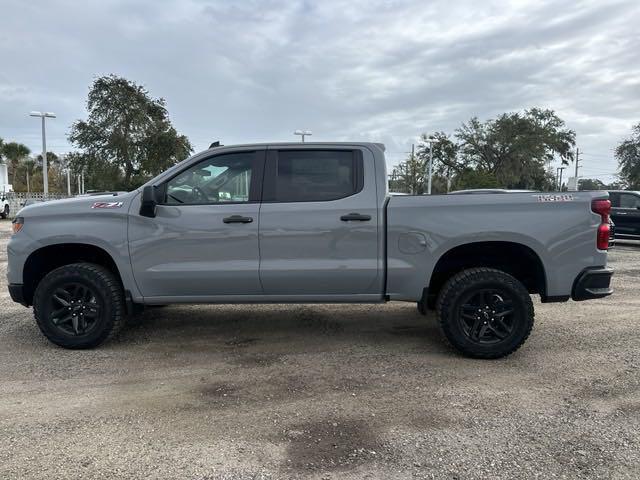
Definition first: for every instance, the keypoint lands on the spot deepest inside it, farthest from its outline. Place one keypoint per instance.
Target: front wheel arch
(46, 259)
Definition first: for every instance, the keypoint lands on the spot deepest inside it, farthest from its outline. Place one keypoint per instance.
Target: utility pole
(414, 173)
(430, 165)
(68, 181)
(560, 181)
(45, 175)
(577, 164)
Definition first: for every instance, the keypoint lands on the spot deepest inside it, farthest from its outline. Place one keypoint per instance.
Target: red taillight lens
(602, 240)
(602, 208)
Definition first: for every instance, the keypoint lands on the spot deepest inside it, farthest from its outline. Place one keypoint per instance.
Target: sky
(348, 70)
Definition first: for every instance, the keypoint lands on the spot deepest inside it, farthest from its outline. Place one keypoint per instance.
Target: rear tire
(79, 305)
(485, 313)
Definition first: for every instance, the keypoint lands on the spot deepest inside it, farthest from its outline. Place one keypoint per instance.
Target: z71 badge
(563, 197)
(106, 205)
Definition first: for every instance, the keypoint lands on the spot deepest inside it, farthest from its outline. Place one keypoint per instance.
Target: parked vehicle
(4, 205)
(5, 189)
(306, 223)
(489, 190)
(625, 212)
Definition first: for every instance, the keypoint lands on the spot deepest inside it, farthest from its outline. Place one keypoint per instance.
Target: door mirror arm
(149, 201)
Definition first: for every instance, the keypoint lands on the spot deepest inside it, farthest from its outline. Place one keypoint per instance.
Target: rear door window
(314, 175)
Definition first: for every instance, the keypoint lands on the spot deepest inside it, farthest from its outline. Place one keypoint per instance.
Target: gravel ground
(324, 392)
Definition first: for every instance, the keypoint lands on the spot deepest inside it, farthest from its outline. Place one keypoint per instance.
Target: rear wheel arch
(516, 259)
(46, 259)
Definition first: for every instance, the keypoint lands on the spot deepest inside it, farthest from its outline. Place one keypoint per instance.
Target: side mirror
(149, 201)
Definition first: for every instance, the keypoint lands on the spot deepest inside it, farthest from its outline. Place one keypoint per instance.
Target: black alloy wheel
(486, 316)
(74, 309)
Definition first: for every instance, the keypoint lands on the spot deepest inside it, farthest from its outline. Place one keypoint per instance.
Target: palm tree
(29, 166)
(14, 152)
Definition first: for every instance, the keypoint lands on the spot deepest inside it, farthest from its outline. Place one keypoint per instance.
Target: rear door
(319, 223)
(625, 212)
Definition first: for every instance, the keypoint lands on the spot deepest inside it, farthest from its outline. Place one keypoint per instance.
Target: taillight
(602, 241)
(602, 208)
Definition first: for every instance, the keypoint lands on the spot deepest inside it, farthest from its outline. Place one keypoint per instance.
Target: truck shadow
(279, 327)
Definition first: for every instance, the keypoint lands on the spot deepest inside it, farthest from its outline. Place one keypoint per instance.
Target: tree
(409, 176)
(628, 156)
(516, 148)
(591, 184)
(14, 153)
(127, 132)
(512, 151)
(445, 164)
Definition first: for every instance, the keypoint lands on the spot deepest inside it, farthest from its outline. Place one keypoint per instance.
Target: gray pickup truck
(308, 223)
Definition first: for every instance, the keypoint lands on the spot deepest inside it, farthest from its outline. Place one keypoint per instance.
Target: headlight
(17, 224)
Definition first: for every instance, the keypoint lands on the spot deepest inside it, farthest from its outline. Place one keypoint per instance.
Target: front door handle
(355, 217)
(237, 219)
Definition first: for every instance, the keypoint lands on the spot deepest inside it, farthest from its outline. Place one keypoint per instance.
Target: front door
(319, 223)
(203, 240)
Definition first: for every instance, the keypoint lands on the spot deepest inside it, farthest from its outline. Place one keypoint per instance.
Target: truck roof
(297, 144)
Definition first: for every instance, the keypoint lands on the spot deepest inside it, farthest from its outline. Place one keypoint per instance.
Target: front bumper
(16, 292)
(592, 283)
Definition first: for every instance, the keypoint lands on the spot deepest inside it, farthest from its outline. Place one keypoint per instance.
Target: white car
(4, 206)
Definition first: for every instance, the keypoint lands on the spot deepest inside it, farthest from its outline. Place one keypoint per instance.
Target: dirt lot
(326, 392)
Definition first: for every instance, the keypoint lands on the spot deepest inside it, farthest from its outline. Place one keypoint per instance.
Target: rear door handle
(237, 219)
(355, 217)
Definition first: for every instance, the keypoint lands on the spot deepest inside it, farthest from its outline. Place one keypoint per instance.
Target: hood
(118, 201)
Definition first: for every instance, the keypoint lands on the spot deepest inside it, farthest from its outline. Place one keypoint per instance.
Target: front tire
(79, 305)
(485, 313)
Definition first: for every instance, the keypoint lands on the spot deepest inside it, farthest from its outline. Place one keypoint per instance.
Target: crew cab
(307, 223)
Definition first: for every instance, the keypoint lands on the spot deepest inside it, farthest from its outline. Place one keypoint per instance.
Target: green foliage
(469, 178)
(127, 136)
(517, 147)
(591, 184)
(14, 152)
(628, 156)
(513, 150)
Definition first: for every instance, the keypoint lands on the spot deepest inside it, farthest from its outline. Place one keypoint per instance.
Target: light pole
(430, 172)
(560, 179)
(302, 133)
(45, 177)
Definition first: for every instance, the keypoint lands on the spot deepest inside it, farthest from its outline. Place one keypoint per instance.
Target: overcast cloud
(384, 71)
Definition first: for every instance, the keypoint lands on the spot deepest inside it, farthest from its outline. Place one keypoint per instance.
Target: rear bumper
(592, 283)
(16, 292)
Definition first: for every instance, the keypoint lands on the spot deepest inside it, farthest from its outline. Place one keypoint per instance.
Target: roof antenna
(215, 144)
